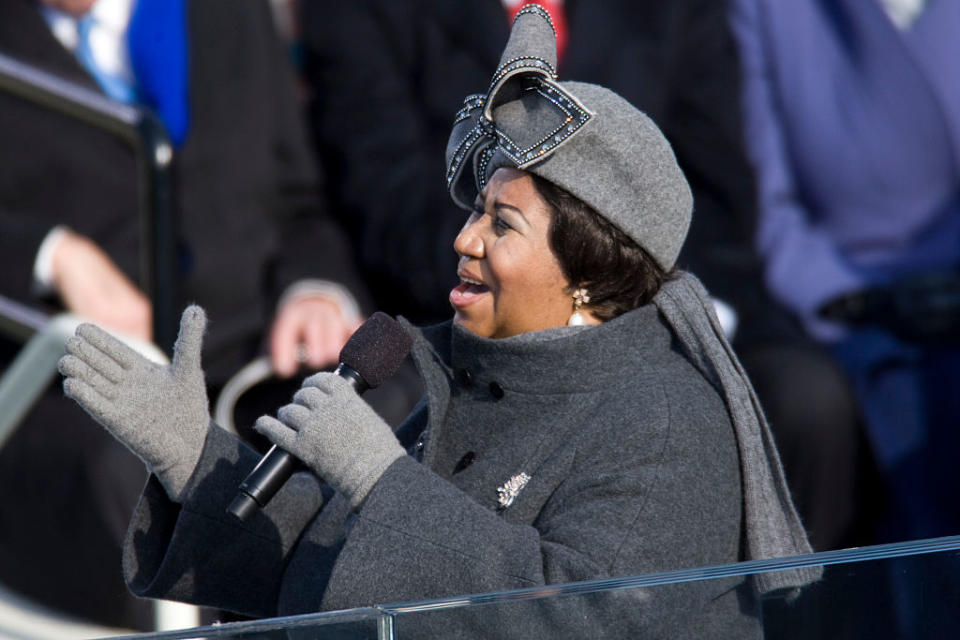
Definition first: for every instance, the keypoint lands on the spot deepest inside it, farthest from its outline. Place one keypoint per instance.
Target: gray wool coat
(633, 468)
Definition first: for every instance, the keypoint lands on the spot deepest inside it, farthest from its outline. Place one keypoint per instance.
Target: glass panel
(908, 590)
(354, 624)
(901, 597)
(699, 609)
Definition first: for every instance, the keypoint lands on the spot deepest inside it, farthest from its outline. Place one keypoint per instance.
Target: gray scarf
(772, 526)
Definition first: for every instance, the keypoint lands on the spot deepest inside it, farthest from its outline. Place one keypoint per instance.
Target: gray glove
(336, 434)
(159, 412)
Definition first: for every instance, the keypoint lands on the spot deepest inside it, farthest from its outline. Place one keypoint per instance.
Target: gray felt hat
(581, 137)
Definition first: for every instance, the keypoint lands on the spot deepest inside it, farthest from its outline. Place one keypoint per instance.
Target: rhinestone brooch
(508, 492)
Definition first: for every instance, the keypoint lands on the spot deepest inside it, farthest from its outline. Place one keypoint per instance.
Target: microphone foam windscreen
(376, 349)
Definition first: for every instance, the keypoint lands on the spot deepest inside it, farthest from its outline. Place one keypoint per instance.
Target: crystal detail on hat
(531, 62)
(481, 166)
(471, 102)
(524, 116)
(543, 13)
(570, 111)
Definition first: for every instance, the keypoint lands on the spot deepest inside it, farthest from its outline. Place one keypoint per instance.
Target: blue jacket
(854, 129)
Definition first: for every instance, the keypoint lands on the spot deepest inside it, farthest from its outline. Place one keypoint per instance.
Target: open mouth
(467, 291)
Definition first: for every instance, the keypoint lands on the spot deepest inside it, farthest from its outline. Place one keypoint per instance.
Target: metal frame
(34, 367)
(144, 133)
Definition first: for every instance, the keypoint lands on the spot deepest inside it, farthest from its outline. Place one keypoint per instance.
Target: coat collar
(560, 360)
(557, 361)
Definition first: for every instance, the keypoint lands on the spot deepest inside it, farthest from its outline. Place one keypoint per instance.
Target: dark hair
(618, 274)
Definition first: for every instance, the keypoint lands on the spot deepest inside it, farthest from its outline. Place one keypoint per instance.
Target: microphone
(372, 354)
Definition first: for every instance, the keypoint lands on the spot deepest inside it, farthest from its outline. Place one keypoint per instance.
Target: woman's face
(510, 280)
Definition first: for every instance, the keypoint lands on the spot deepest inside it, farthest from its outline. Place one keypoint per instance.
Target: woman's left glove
(336, 434)
(159, 412)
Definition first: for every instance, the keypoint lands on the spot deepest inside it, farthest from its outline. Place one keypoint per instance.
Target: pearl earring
(580, 298)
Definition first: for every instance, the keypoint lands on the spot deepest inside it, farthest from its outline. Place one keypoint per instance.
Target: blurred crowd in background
(821, 139)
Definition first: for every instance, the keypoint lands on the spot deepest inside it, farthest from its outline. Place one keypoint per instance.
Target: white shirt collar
(108, 34)
(903, 13)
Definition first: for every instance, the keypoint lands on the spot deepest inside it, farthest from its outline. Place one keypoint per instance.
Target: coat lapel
(431, 353)
(934, 42)
(27, 37)
(897, 69)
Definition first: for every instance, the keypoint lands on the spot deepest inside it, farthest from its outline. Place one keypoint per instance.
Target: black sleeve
(20, 238)
(313, 242)
(386, 165)
(704, 124)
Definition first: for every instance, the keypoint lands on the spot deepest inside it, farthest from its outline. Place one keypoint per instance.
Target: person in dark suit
(244, 180)
(388, 77)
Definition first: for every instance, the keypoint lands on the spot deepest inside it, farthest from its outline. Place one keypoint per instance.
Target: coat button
(464, 377)
(496, 390)
(465, 461)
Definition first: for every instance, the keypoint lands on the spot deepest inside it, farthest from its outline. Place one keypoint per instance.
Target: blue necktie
(114, 85)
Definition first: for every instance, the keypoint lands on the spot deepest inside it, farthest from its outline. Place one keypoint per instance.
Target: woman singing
(584, 417)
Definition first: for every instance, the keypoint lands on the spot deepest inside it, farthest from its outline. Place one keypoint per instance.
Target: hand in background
(313, 326)
(159, 412)
(91, 285)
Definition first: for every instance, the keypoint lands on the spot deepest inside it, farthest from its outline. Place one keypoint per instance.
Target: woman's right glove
(338, 435)
(159, 412)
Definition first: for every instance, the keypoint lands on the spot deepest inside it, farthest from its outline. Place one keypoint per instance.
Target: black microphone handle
(276, 467)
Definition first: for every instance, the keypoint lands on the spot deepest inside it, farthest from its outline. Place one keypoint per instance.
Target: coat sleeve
(20, 238)
(197, 553)
(803, 267)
